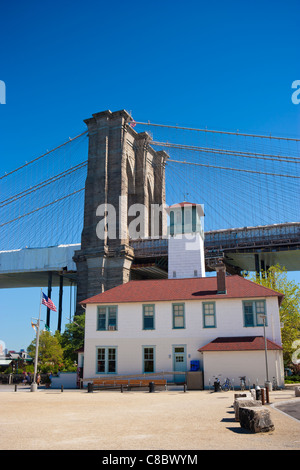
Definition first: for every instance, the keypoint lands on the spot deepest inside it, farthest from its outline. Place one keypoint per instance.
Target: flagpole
(34, 385)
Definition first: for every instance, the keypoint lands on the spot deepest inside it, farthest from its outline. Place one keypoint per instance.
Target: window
(209, 315)
(107, 318)
(148, 317)
(260, 308)
(178, 316)
(253, 312)
(148, 358)
(106, 360)
(188, 216)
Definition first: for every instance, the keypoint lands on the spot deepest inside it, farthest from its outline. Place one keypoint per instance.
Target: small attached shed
(238, 356)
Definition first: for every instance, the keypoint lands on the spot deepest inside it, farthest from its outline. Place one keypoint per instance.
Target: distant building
(14, 358)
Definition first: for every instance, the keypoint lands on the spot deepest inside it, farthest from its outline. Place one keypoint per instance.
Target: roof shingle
(239, 343)
(156, 290)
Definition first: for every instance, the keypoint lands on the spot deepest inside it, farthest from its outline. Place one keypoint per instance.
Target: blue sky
(224, 65)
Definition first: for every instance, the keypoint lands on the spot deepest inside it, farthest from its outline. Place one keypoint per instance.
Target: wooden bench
(109, 382)
(128, 383)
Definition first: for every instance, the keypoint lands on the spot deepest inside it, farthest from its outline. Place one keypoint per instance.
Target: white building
(185, 322)
(186, 241)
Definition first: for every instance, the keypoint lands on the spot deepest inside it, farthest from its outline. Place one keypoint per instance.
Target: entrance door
(179, 363)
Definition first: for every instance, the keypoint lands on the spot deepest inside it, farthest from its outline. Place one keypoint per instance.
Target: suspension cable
(237, 133)
(238, 153)
(42, 156)
(42, 207)
(232, 169)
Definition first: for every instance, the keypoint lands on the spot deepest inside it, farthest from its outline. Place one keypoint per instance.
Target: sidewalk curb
(275, 405)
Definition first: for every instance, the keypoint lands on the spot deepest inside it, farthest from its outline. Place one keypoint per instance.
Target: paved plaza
(138, 420)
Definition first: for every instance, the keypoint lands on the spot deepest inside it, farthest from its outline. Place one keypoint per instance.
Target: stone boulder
(256, 419)
(244, 402)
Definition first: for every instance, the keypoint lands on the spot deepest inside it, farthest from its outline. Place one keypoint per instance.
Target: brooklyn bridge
(248, 185)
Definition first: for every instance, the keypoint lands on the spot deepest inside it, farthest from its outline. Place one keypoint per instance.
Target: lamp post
(34, 384)
(264, 317)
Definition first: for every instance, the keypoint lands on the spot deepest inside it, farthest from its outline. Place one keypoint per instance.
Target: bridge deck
(278, 235)
(272, 244)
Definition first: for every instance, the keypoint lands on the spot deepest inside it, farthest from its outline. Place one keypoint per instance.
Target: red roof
(240, 343)
(187, 204)
(156, 290)
(184, 203)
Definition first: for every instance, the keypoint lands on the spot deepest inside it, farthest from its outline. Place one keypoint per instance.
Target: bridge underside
(235, 261)
(35, 267)
(244, 249)
(35, 279)
(262, 260)
(157, 268)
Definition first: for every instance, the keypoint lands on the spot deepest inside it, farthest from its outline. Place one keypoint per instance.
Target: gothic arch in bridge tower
(130, 173)
(150, 201)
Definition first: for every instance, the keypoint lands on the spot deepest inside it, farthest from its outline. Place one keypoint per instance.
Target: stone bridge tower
(123, 170)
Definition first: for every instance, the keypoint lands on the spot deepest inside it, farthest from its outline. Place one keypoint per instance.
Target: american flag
(48, 302)
(132, 123)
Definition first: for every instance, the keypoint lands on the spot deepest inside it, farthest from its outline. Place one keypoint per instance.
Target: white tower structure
(186, 241)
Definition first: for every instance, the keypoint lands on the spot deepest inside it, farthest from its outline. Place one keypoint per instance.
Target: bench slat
(139, 382)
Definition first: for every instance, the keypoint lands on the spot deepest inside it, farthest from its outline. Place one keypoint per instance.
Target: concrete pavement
(137, 420)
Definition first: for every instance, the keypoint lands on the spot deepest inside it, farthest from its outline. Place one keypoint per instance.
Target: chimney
(221, 279)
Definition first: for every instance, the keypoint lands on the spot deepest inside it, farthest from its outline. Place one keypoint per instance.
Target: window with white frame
(178, 316)
(148, 317)
(209, 315)
(254, 313)
(107, 318)
(106, 360)
(148, 359)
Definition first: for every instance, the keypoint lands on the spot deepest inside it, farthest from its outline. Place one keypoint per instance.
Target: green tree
(276, 278)
(72, 338)
(50, 353)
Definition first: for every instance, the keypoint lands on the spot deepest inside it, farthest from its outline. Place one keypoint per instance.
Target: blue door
(179, 358)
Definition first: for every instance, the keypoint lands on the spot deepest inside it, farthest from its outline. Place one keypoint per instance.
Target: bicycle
(217, 384)
(242, 382)
(227, 385)
(275, 384)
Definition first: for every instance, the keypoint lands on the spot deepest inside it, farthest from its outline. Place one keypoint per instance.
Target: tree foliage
(50, 352)
(276, 278)
(72, 338)
(59, 351)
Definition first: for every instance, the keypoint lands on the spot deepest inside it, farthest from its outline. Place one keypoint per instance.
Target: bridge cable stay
(260, 186)
(42, 156)
(236, 133)
(243, 179)
(41, 200)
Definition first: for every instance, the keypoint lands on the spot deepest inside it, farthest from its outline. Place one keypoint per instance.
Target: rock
(244, 402)
(240, 395)
(256, 419)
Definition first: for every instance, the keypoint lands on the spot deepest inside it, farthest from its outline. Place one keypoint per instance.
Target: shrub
(292, 379)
